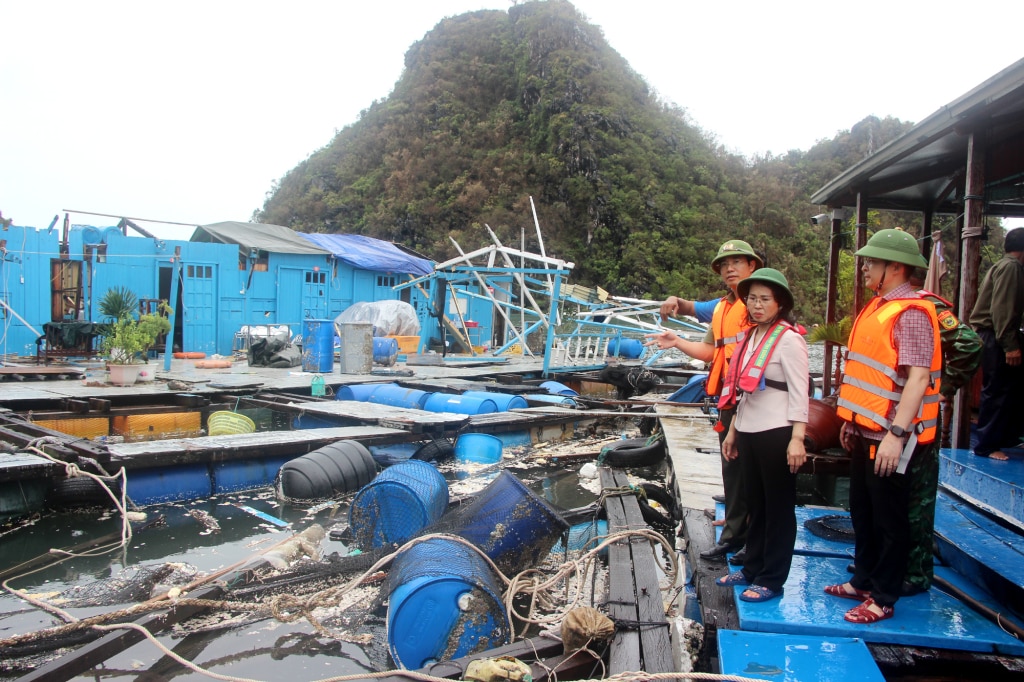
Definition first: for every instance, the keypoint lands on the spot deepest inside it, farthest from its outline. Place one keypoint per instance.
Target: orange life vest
(729, 325)
(871, 384)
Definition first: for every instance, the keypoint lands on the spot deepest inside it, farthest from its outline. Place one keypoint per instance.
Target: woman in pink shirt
(767, 381)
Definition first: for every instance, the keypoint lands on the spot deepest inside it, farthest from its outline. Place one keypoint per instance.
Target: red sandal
(840, 591)
(863, 615)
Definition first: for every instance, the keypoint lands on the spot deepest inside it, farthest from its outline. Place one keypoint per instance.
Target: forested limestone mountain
(494, 107)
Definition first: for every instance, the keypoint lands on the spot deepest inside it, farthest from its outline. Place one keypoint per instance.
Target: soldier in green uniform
(961, 355)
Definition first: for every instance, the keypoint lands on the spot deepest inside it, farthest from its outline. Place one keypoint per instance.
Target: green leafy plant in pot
(127, 335)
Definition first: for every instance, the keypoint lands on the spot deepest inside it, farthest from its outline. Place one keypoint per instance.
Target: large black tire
(435, 451)
(81, 491)
(633, 452)
(655, 517)
(663, 497)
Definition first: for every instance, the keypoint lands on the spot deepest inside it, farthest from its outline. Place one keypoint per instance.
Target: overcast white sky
(188, 111)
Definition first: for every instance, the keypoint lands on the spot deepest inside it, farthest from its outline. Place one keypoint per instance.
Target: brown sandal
(863, 615)
(840, 591)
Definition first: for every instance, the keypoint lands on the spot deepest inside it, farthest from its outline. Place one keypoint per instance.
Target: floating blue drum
(513, 526)
(556, 388)
(400, 502)
(459, 404)
(360, 392)
(553, 399)
(385, 350)
(445, 603)
(481, 448)
(318, 346)
(398, 396)
(625, 348)
(504, 401)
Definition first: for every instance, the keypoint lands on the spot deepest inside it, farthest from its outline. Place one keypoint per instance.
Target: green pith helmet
(768, 276)
(735, 247)
(893, 245)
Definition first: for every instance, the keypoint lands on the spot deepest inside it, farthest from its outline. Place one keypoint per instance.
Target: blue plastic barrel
(445, 603)
(504, 401)
(625, 348)
(556, 388)
(385, 350)
(553, 399)
(400, 502)
(481, 448)
(360, 392)
(399, 396)
(459, 404)
(318, 346)
(513, 526)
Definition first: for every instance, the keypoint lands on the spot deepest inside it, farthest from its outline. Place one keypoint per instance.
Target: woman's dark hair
(785, 306)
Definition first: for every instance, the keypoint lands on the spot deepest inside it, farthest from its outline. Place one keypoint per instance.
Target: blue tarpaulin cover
(370, 254)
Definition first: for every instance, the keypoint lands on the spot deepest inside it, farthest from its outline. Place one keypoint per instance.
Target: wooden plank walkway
(635, 597)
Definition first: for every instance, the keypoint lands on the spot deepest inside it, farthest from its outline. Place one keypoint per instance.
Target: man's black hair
(1014, 240)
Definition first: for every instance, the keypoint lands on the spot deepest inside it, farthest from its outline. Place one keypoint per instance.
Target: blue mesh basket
(445, 603)
(398, 504)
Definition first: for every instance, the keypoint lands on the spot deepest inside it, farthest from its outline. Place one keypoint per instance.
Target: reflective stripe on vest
(750, 376)
(871, 385)
(728, 322)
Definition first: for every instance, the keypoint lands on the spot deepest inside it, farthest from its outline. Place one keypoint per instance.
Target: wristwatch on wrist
(898, 431)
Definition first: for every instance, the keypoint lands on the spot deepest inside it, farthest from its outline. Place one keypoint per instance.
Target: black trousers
(1001, 391)
(879, 508)
(735, 530)
(771, 499)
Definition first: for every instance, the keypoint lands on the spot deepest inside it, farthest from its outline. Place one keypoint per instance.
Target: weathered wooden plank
(654, 630)
(624, 652)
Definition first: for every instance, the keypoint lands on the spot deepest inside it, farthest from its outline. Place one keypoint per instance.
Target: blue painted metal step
(980, 549)
(931, 619)
(807, 542)
(992, 484)
(795, 658)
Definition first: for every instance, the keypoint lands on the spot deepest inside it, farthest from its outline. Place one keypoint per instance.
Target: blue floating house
(227, 276)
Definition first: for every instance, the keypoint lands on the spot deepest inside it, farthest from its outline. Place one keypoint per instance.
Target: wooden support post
(859, 298)
(831, 314)
(970, 258)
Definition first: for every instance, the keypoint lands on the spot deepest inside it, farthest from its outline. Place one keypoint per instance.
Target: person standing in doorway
(997, 319)
(734, 262)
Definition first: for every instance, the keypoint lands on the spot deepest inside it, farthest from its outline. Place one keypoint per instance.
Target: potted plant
(127, 336)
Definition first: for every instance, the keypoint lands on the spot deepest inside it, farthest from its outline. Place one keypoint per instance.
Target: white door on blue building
(199, 308)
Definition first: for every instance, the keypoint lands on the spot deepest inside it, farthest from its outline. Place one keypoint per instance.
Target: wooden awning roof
(923, 170)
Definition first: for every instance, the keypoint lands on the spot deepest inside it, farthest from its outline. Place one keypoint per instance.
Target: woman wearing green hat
(767, 382)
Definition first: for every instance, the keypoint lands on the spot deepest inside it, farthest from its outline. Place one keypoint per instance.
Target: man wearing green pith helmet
(734, 262)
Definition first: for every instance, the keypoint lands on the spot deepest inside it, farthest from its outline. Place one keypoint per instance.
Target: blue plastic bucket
(318, 346)
(481, 448)
(360, 392)
(625, 348)
(445, 603)
(385, 350)
(556, 388)
(511, 524)
(446, 402)
(399, 396)
(400, 502)
(504, 401)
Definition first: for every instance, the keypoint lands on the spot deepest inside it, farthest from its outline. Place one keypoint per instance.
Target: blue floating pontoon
(795, 658)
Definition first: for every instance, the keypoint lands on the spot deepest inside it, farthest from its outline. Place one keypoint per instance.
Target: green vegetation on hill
(496, 107)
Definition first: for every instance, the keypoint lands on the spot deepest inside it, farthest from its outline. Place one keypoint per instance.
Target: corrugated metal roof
(922, 169)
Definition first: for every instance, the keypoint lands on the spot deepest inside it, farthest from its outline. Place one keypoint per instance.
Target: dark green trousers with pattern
(924, 483)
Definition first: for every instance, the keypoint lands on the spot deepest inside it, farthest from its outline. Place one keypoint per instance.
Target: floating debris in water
(206, 520)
